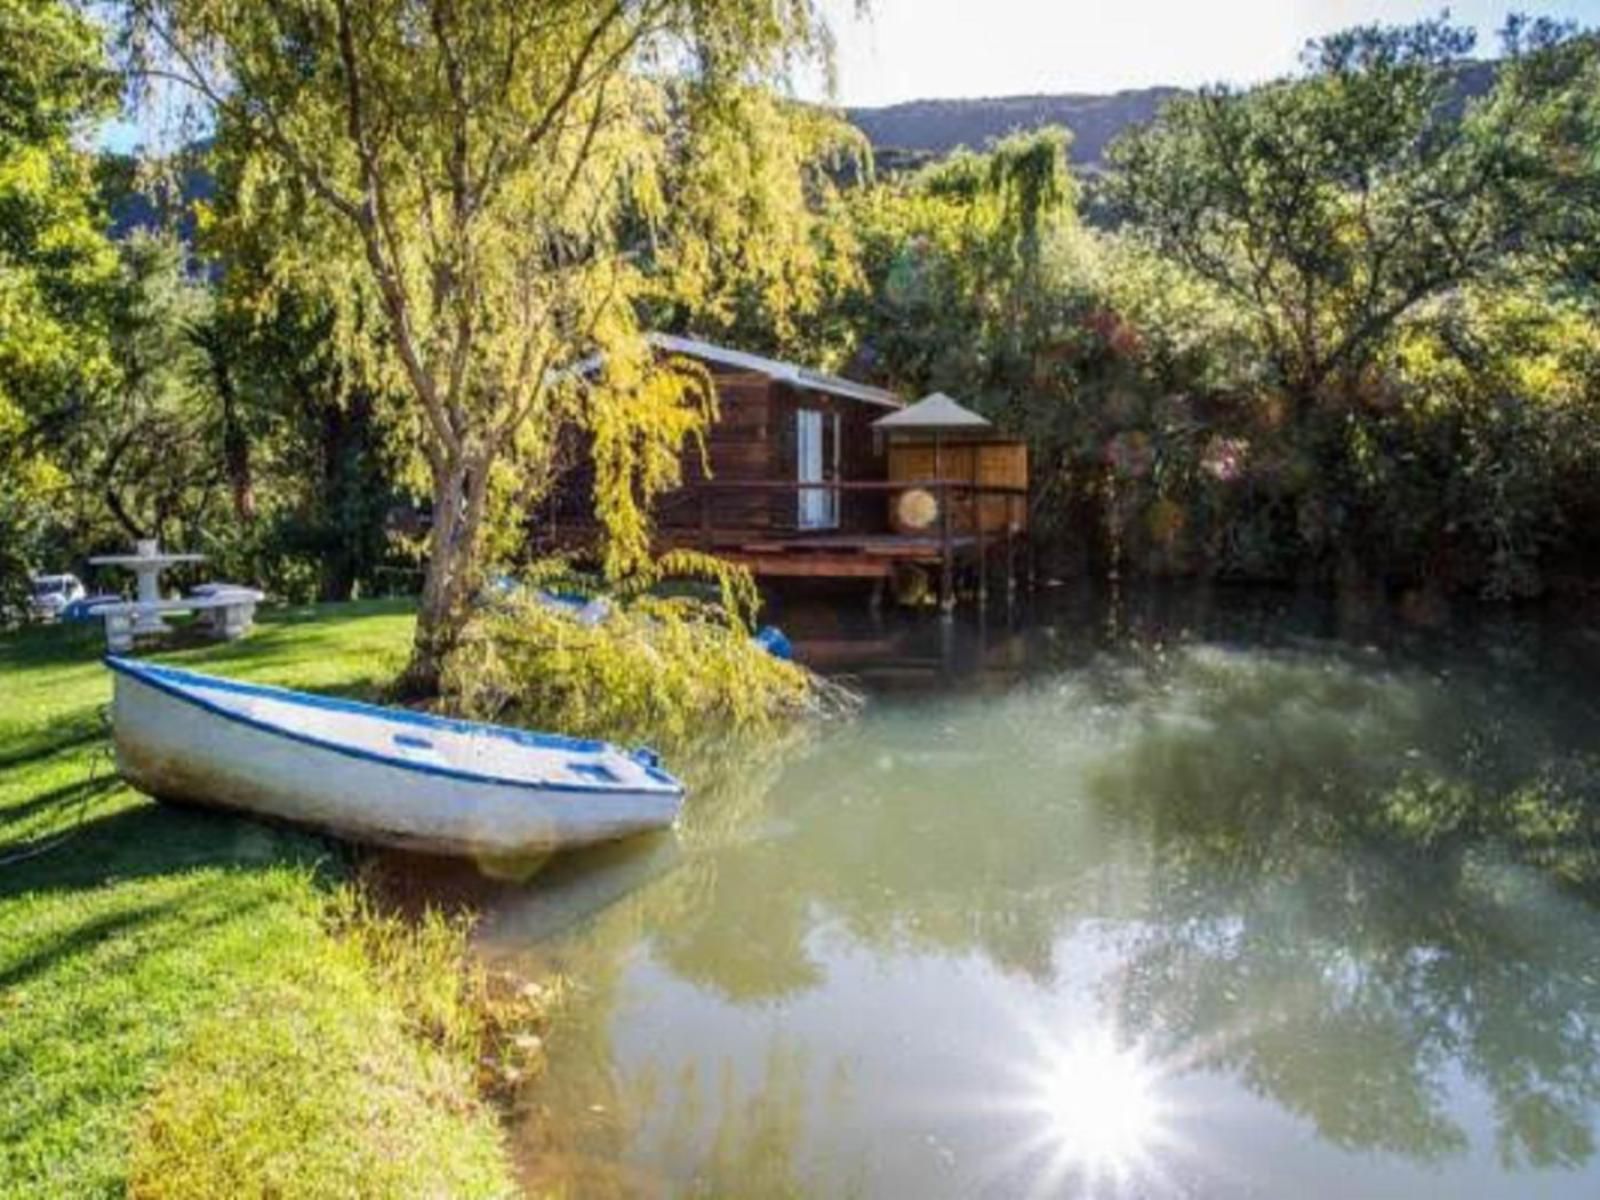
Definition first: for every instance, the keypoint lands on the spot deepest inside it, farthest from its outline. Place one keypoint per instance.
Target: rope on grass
(98, 761)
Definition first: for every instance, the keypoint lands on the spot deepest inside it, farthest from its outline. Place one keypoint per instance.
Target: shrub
(676, 672)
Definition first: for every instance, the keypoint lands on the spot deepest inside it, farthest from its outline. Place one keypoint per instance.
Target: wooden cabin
(807, 475)
(785, 425)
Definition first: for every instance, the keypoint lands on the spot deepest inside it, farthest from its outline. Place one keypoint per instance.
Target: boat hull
(176, 750)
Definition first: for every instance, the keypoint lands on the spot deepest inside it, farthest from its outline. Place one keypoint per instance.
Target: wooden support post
(705, 518)
(947, 573)
(947, 647)
(1029, 561)
(983, 549)
(1011, 549)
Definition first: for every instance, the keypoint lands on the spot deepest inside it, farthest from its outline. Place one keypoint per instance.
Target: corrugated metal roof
(791, 373)
(937, 411)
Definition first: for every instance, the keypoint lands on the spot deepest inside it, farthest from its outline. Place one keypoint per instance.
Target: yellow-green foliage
(423, 964)
(672, 672)
(676, 402)
(487, 1021)
(315, 1081)
(483, 201)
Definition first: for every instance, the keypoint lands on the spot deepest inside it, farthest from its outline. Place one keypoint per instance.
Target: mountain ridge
(915, 131)
(931, 127)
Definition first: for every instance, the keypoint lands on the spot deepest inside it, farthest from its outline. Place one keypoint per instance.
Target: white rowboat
(387, 776)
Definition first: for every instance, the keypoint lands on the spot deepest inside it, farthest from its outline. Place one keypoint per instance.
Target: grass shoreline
(180, 1014)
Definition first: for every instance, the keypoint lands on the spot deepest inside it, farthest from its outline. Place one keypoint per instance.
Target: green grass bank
(179, 1016)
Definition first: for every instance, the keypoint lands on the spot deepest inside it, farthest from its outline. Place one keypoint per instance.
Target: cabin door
(818, 462)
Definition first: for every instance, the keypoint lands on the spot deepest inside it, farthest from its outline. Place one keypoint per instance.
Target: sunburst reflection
(1102, 1104)
(1092, 1117)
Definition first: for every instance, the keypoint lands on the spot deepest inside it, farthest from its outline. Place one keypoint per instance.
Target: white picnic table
(147, 562)
(229, 608)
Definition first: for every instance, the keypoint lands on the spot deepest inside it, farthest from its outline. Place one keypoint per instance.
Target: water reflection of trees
(1320, 861)
(1348, 937)
(1357, 1009)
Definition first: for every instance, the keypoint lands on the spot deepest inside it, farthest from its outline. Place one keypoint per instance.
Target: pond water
(1188, 896)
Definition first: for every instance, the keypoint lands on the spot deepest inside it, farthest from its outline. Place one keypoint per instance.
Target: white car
(52, 593)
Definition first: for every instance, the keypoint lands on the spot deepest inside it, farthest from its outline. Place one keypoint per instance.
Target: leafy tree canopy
(1333, 204)
(56, 267)
(486, 190)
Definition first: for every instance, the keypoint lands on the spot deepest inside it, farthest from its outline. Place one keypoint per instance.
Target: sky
(917, 49)
(914, 49)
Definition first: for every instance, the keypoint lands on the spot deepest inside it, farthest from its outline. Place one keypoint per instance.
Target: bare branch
(377, 236)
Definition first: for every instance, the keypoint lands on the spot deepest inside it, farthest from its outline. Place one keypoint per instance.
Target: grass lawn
(176, 1016)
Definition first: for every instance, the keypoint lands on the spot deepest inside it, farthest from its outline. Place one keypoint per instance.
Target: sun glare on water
(1101, 1103)
(1095, 1117)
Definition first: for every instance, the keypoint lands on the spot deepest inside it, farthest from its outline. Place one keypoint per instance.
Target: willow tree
(955, 295)
(485, 189)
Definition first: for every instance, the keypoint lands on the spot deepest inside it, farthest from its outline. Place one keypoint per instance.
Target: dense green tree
(1547, 102)
(1339, 214)
(311, 452)
(138, 453)
(1485, 459)
(1333, 204)
(149, 451)
(980, 281)
(57, 269)
(479, 188)
(953, 291)
(313, 455)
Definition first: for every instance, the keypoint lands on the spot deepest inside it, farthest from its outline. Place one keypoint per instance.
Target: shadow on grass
(128, 837)
(62, 800)
(89, 936)
(52, 741)
(51, 646)
(151, 839)
(81, 940)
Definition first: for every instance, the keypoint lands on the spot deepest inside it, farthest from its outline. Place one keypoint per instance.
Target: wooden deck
(816, 555)
(873, 554)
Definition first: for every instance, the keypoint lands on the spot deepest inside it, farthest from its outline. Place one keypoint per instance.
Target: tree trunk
(235, 448)
(344, 437)
(453, 546)
(235, 439)
(336, 578)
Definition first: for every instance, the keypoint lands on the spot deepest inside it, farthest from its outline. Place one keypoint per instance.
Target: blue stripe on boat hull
(172, 681)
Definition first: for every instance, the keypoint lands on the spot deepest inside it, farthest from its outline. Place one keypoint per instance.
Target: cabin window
(594, 771)
(816, 461)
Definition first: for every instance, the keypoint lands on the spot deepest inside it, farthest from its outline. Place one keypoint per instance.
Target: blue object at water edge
(775, 642)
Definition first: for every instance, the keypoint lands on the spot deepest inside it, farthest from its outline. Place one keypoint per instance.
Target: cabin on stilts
(812, 475)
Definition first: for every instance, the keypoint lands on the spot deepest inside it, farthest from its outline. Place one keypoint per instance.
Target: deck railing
(943, 491)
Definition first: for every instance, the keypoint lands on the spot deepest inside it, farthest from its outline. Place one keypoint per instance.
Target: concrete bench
(227, 611)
